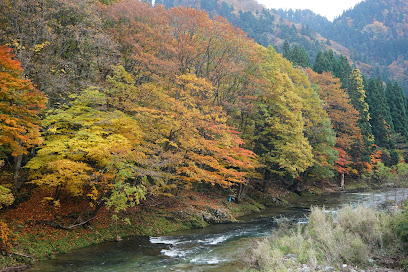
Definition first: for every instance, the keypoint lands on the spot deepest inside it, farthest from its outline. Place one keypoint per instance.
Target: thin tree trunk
(17, 162)
(342, 181)
(243, 189)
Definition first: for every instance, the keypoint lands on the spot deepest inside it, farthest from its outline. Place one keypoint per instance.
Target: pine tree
(331, 61)
(381, 121)
(343, 70)
(320, 64)
(286, 49)
(295, 55)
(304, 58)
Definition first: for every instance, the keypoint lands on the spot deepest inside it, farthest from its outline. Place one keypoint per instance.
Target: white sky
(328, 8)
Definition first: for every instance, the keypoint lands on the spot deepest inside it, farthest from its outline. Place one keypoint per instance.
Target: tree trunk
(342, 181)
(17, 162)
(266, 177)
(243, 189)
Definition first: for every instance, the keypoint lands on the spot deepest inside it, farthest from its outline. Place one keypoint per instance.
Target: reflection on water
(215, 248)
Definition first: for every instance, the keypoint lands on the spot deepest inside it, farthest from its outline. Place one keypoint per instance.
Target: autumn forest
(107, 104)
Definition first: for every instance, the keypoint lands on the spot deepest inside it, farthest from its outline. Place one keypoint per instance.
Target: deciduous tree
(20, 106)
(344, 118)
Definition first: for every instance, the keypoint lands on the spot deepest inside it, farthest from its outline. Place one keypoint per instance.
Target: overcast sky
(328, 8)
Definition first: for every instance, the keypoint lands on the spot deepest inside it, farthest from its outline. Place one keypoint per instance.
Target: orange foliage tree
(186, 135)
(344, 117)
(20, 105)
(178, 88)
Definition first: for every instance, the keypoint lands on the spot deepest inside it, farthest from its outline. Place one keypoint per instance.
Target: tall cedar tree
(398, 104)
(381, 121)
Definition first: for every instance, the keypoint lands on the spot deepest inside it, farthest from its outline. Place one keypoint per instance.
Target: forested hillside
(265, 26)
(374, 32)
(108, 103)
(371, 34)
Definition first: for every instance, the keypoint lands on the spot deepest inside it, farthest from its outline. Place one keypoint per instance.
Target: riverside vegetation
(112, 112)
(350, 239)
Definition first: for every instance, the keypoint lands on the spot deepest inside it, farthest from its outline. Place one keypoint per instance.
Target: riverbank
(32, 240)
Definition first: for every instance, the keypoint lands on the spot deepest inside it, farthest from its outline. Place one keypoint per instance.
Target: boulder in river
(217, 216)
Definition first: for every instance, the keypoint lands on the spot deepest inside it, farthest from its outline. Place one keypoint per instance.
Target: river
(215, 248)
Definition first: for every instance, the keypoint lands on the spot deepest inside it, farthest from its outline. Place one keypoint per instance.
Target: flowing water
(215, 248)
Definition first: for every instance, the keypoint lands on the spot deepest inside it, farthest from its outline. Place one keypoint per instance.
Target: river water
(215, 248)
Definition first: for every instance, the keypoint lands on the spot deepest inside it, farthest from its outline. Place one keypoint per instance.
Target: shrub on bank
(400, 226)
(353, 236)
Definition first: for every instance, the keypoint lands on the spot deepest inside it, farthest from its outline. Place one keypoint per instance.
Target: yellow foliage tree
(87, 151)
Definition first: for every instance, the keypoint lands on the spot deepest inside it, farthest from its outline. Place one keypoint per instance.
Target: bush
(5, 238)
(384, 174)
(373, 227)
(352, 236)
(339, 244)
(268, 257)
(400, 227)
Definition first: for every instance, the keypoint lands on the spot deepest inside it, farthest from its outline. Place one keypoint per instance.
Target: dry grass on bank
(355, 237)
